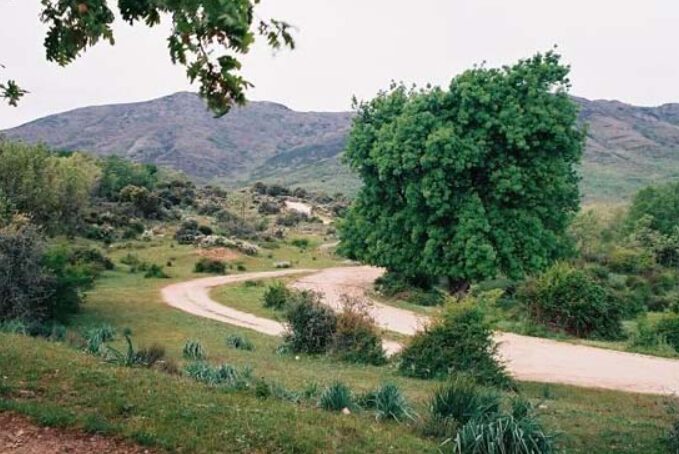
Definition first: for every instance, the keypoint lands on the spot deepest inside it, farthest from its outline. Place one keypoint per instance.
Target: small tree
(467, 182)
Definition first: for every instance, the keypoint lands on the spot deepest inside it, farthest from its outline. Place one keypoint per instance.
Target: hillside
(628, 146)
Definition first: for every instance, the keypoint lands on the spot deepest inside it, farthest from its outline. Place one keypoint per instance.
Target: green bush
(463, 400)
(155, 271)
(668, 328)
(357, 338)
(569, 299)
(277, 296)
(194, 350)
(311, 326)
(336, 397)
(626, 260)
(207, 265)
(239, 342)
(459, 341)
(505, 434)
(302, 243)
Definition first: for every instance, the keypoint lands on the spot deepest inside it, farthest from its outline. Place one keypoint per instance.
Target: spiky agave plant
(390, 403)
(336, 397)
(504, 434)
(194, 350)
(239, 342)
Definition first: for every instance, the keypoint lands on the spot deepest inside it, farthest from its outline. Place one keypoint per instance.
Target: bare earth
(527, 358)
(20, 436)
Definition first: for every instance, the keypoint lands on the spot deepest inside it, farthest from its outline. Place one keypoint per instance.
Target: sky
(624, 50)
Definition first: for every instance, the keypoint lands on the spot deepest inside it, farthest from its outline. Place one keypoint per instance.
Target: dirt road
(527, 358)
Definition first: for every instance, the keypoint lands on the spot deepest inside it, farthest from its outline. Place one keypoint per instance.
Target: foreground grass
(71, 388)
(60, 387)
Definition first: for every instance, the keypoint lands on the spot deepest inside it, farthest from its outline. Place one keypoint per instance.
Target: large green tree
(206, 38)
(468, 182)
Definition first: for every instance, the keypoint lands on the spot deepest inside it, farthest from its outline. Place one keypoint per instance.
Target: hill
(627, 147)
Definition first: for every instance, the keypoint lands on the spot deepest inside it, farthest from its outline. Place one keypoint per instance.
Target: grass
(144, 405)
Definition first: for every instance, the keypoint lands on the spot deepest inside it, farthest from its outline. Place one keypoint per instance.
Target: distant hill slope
(627, 146)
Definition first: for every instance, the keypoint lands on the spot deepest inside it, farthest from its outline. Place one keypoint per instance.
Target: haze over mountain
(627, 146)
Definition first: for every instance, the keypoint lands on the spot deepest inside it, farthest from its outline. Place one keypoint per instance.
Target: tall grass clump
(194, 350)
(505, 434)
(224, 375)
(276, 296)
(388, 402)
(336, 397)
(462, 400)
(459, 341)
(239, 342)
(145, 357)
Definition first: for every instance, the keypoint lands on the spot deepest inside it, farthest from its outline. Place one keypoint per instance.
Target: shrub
(336, 397)
(269, 207)
(301, 243)
(311, 326)
(505, 434)
(155, 271)
(463, 400)
(276, 296)
(357, 338)
(569, 299)
(239, 342)
(626, 260)
(149, 356)
(668, 328)
(459, 341)
(36, 284)
(390, 284)
(194, 350)
(389, 403)
(91, 256)
(130, 260)
(207, 265)
(223, 375)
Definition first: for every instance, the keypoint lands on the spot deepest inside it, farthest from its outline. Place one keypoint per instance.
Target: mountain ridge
(627, 146)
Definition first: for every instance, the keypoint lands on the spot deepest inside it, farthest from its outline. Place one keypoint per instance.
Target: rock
(346, 411)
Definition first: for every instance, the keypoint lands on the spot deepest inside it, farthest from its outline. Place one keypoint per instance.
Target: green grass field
(58, 385)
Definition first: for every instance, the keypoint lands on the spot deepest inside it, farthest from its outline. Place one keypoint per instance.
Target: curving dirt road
(527, 358)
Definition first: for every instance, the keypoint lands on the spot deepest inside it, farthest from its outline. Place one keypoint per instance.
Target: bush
(311, 326)
(357, 338)
(569, 299)
(194, 350)
(37, 285)
(626, 260)
(668, 328)
(239, 342)
(207, 265)
(91, 256)
(301, 243)
(146, 357)
(389, 403)
(505, 434)
(459, 341)
(276, 296)
(336, 397)
(155, 271)
(463, 400)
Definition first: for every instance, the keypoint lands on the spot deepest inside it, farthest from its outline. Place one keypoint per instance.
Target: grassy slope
(171, 411)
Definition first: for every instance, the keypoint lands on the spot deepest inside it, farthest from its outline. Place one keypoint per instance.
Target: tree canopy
(467, 182)
(206, 37)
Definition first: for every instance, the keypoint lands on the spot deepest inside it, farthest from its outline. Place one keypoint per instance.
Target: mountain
(627, 146)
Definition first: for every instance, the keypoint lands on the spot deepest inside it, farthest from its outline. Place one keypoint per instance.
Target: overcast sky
(624, 50)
